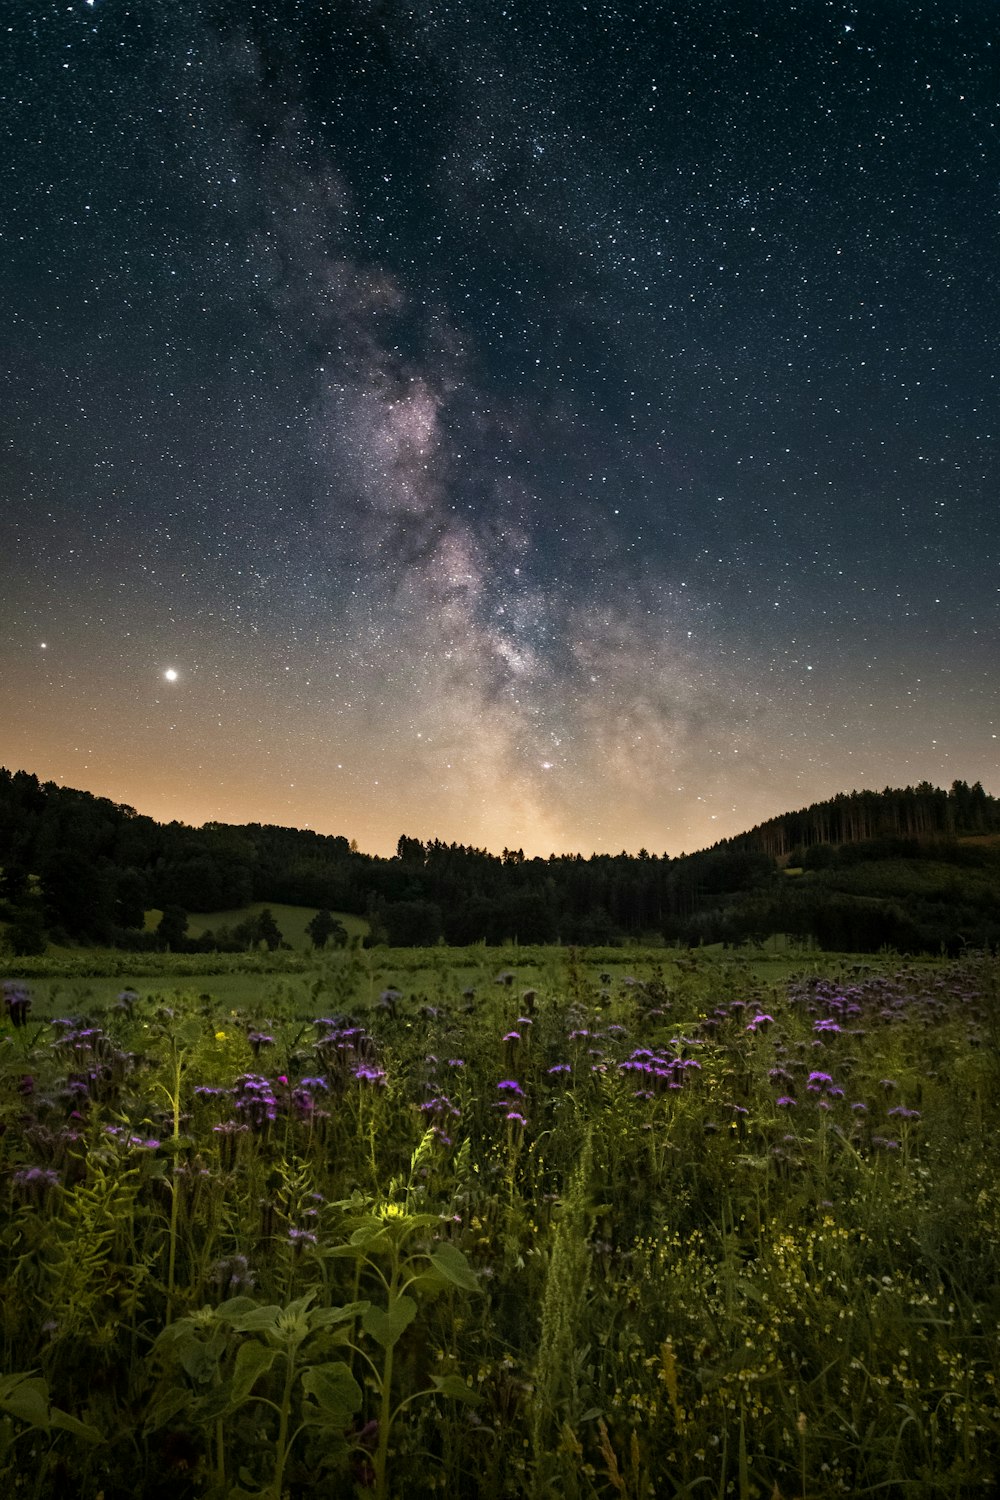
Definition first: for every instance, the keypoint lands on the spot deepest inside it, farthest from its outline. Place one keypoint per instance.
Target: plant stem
(281, 1448)
(384, 1424)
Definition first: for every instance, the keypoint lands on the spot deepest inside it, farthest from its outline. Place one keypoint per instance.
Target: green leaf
(453, 1266)
(234, 1307)
(368, 1234)
(66, 1423)
(257, 1320)
(252, 1360)
(167, 1408)
(329, 1317)
(200, 1361)
(386, 1327)
(455, 1387)
(27, 1398)
(421, 1221)
(336, 1392)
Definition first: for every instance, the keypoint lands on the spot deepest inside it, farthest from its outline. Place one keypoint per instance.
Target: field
(292, 921)
(499, 1224)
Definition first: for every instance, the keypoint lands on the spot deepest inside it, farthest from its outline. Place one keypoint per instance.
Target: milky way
(537, 425)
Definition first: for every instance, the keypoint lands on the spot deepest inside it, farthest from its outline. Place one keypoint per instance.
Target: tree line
(75, 867)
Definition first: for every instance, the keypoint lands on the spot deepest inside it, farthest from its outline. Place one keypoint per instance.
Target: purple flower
(510, 1086)
(904, 1113)
(255, 1100)
(785, 1102)
(18, 1002)
(515, 1118)
(34, 1183)
(441, 1106)
(233, 1274)
(366, 1074)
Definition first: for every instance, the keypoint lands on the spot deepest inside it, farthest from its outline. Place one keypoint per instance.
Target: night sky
(567, 426)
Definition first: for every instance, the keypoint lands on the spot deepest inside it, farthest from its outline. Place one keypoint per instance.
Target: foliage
(99, 865)
(576, 1229)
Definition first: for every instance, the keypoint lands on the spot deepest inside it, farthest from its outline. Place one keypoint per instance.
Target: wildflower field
(503, 1228)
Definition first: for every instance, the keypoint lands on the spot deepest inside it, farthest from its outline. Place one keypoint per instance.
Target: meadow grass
(292, 921)
(502, 1223)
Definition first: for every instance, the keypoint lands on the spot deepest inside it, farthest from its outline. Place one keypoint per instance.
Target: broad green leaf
(329, 1317)
(453, 1266)
(66, 1423)
(27, 1398)
(336, 1393)
(164, 1410)
(252, 1360)
(368, 1234)
(199, 1360)
(257, 1320)
(455, 1386)
(234, 1308)
(419, 1221)
(386, 1327)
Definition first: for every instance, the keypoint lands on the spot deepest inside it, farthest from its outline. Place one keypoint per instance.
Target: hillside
(916, 869)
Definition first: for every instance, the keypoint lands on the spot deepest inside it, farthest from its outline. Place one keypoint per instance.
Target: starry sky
(567, 426)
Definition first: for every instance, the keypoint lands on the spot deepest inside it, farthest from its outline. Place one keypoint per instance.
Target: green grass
(68, 981)
(292, 920)
(682, 1284)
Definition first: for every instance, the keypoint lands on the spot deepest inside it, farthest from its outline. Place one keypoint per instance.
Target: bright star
(170, 674)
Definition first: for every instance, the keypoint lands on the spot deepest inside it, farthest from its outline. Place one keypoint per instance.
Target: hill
(916, 869)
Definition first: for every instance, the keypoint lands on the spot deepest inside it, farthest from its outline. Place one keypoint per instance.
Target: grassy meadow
(292, 921)
(499, 1223)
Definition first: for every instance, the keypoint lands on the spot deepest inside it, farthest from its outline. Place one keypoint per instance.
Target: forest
(915, 869)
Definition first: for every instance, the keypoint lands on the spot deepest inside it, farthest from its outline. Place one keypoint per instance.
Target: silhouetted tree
(325, 926)
(172, 928)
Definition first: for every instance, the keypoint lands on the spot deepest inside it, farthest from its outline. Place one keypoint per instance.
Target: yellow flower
(220, 1036)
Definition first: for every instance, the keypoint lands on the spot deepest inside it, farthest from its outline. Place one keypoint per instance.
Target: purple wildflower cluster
(347, 1055)
(657, 1071)
(17, 1002)
(346, 1051)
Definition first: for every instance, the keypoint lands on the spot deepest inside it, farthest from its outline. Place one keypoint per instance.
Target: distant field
(292, 920)
(79, 981)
